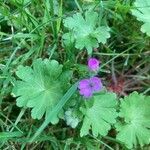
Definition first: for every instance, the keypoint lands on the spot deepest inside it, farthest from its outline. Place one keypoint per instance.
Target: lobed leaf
(85, 32)
(142, 12)
(41, 87)
(135, 129)
(100, 116)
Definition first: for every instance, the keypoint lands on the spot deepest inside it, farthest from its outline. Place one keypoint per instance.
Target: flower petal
(86, 92)
(83, 84)
(96, 84)
(93, 64)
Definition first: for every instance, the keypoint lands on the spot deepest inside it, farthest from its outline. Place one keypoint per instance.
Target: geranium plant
(74, 75)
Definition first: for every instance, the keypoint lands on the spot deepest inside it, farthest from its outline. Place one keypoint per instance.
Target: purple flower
(93, 64)
(89, 86)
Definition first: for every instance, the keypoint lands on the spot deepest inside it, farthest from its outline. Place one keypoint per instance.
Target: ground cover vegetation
(74, 74)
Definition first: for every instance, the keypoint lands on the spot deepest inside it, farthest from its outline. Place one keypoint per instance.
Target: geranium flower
(93, 64)
(89, 86)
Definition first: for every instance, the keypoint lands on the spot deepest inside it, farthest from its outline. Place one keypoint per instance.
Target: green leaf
(71, 118)
(135, 129)
(142, 12)
(55, 110)
(41, 87)
(101, 115)
(85, 31)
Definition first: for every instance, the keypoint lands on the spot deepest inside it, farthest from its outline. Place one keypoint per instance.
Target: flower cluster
(89, 86)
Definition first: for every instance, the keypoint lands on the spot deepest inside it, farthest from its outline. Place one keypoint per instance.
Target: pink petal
(93, 64)
(96, 84)
(83, 84)
(86, 92)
